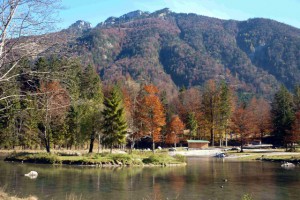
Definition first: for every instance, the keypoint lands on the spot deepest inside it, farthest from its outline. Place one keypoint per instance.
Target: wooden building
(197, 144)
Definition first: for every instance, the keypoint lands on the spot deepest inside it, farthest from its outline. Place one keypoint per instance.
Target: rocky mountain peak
(162, 12)
(134, 15)
(80, 25)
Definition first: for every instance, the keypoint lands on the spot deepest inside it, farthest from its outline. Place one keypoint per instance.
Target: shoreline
(122, 159)
(99, 160)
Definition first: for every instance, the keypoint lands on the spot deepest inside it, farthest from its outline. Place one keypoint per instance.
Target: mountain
(174, 49)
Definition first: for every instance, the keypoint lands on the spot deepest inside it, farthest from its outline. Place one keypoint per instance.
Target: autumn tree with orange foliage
(262, 116)
(175, 130)
(130, 93)
(151, 114)
(243, 124)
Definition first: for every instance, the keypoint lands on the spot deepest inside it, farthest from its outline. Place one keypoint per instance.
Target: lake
(202, 178)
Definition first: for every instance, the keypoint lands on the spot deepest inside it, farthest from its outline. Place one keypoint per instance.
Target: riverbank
(5, 196)
(270, 155)
(99, 160)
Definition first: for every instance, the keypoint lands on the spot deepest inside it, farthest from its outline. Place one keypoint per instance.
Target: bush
(247, 197)
(180, 158)
(161, 159)
(35, 157)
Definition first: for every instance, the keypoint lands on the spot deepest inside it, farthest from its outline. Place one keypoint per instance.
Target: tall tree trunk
(242, 144)
(111, 147)
(48, 148)
(132, 146)
(47, 144)
(153, 145)
(212, 136)
(99, 142)
(92, 143)
(226, 139)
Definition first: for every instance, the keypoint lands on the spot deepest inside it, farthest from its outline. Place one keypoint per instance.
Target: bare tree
(19, 19)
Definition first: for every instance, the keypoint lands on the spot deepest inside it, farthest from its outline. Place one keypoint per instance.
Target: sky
(96, 11)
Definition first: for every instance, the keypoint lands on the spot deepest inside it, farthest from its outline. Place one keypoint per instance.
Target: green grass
(163, 160)
(102, 159)
(35, 158)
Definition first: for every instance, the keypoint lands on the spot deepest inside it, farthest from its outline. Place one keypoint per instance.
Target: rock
(32, 174)
(288, 165)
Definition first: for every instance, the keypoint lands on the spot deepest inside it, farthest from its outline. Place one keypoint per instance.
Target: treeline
(58, 103)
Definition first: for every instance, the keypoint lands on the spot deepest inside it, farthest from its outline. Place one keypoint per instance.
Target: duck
(32, 174)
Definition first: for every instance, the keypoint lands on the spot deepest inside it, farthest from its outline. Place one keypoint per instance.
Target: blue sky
(96, 11)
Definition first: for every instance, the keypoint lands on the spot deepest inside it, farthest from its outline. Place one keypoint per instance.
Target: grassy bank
(274, 156)
(101, 159)
(5, 196)
(282, 158)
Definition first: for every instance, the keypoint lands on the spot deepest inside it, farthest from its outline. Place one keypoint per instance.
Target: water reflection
(202, 178)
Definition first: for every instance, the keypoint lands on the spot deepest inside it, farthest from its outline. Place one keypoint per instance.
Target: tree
(91, 104)
(52, 102)
(243, 124)
(296, 98)
(130, 94)
(262, 114)
(21, 18)
(188, 101)
(225, 109)
(151, 113)
(175, 129)
(192, 125)
(210, 107)
(293, 136)
(216, 107)
(114, 124)
(282, 114)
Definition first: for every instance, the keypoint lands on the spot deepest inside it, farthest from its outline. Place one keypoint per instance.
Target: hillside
(174, 50)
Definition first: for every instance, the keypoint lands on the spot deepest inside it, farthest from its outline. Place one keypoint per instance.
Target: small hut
(198, 144)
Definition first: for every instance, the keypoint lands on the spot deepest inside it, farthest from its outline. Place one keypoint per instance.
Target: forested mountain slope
(173, 50)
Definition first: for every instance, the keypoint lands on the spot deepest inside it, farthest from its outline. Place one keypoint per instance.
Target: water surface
(202, 178)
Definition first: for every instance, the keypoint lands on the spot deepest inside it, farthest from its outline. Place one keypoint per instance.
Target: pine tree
(192, 125)
(282, 114)
(225, 109)
(114, 123)
(296, 98)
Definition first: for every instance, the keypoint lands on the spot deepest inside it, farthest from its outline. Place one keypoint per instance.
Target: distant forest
(65, 105)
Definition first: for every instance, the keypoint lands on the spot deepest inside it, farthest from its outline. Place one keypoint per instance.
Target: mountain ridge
(173, 50)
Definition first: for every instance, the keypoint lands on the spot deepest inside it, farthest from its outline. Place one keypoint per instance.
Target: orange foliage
(262, 116)
(54, 98)
(243, 124)
(188, 101)
(175, 129)
(151, 113)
